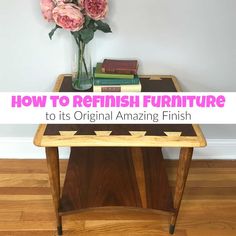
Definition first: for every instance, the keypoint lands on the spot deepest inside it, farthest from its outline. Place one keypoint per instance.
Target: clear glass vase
(82, 74)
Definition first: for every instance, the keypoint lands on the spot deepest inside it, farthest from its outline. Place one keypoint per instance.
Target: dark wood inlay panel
(121, 129)
(159, 194)
(100, 177)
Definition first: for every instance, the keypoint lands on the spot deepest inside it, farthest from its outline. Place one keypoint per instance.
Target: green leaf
(104, 27)
(86, 35)
(76, 34)
(87, 20)
(53, 31)
(92, 25)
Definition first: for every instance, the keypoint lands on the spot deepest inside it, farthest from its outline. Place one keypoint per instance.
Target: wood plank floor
(208, 207)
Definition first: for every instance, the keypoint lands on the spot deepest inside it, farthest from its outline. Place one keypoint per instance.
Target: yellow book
(118, 88)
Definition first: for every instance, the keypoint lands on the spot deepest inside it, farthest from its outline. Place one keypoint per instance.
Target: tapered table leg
(54, 178)
(182, 174)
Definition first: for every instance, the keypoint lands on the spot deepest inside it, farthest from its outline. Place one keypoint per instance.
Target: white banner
(118, 108)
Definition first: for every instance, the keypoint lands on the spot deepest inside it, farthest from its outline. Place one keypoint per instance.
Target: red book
(120, 66)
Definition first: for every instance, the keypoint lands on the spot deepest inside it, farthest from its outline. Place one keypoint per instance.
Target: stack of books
(116, 76)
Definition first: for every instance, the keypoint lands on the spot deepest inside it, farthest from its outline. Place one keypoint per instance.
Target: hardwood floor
(208, 207)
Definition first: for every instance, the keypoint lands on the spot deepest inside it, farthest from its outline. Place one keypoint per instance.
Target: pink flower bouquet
(81, 17)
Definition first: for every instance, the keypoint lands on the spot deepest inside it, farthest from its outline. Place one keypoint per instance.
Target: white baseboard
(23, 148)
(216, 149)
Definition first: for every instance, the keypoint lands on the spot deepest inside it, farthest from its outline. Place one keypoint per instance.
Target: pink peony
(96, 9)
(47, 7)
(68, 16)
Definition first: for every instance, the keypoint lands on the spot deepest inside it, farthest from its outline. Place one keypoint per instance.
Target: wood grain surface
(98, 177)
(52, 156)
(208, 206)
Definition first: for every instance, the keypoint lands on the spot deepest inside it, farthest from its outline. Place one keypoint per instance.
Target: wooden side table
(118, 165)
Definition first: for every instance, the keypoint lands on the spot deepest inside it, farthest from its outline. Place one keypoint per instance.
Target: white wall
(192, 39)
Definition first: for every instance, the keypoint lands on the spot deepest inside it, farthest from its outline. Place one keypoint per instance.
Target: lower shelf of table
(116, 177)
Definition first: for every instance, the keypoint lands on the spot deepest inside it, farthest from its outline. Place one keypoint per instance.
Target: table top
(121, 135)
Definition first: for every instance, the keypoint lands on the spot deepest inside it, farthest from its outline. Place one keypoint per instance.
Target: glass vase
(82, 74)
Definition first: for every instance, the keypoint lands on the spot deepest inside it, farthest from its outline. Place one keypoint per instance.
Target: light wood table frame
(126, 159)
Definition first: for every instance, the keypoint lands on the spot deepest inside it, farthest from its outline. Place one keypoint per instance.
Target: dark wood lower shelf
(128, 177)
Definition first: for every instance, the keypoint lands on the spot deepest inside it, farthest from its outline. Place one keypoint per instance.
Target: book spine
(119, 71)
(98, 81)
(113, 76)
(124, 88)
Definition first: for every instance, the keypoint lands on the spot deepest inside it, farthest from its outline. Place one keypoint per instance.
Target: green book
(99, 74)
(104, 81)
